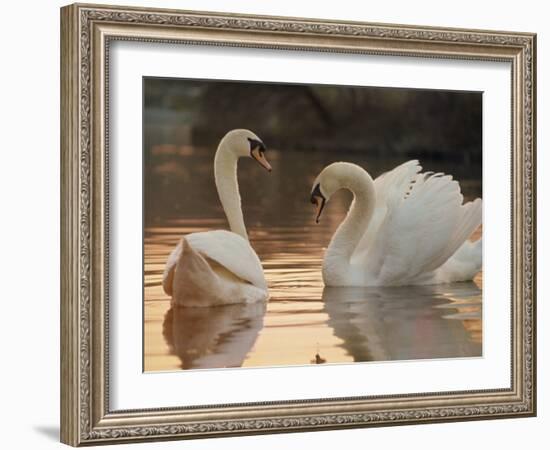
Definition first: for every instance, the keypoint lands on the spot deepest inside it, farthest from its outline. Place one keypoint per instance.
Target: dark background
(382, 121)
(305, 127)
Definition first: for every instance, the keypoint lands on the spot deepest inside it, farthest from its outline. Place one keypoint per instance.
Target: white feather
(226, 248)
(405, 228)
(219, 267)
(401, 176)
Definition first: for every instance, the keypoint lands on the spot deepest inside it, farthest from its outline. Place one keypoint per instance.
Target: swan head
(332, 178)
(245, 143)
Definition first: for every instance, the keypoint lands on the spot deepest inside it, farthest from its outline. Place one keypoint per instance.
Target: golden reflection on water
(303, 318)
(303, 322)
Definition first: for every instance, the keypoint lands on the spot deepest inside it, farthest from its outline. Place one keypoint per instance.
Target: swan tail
(465, 264)
(182, 262)
(170, 268)
(168, 281)
(195, 282)
(471, 252)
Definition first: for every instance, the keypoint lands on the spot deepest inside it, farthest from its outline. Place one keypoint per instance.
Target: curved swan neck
(354, 226)
(225, 174)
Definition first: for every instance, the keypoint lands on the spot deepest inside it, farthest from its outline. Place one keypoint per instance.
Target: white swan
(404, 228)
(220, 267)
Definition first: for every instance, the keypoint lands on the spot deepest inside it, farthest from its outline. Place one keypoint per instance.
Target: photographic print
(294, 201)
(289, 224)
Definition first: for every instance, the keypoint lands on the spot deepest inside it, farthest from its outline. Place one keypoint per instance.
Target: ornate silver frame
(86, 32)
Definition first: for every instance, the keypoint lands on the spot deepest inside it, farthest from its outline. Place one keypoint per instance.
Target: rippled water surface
(303, 322)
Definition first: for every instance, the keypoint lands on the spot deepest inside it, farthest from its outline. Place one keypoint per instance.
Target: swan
(220, 267)
(404, 228)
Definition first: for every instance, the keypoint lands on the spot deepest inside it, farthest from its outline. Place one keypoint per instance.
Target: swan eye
(255, 144)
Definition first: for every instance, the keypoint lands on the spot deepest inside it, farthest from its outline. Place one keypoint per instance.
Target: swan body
(404, 228)
(220, 267)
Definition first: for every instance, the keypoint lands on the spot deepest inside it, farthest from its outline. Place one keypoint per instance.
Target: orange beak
(259, 156)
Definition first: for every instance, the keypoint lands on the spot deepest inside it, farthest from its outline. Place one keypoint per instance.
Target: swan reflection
(412, 322)
(213, 337)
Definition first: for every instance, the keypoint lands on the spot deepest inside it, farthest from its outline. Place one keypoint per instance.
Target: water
(303, 322)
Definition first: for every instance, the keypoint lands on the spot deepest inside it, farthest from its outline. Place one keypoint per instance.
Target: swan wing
(399, 179)
(226, 248)
(424, 224)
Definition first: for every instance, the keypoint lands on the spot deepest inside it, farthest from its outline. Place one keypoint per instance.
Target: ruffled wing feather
(424, 224)
(398, 180)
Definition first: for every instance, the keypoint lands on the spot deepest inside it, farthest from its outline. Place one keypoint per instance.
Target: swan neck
(354, 226)
(225, 174)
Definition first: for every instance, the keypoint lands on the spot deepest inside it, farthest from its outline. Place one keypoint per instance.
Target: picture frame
(87, 32)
